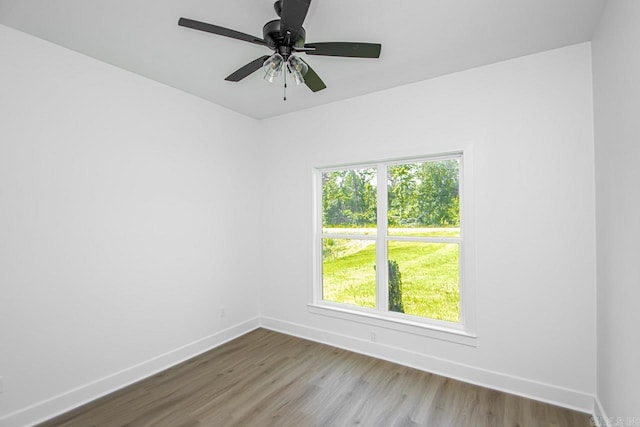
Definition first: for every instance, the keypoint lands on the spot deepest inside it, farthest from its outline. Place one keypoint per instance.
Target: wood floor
(266, 378)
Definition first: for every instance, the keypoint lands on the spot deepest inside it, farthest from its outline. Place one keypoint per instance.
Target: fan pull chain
(285, 83)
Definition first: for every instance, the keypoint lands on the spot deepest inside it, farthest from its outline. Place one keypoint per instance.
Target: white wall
(616, 81)
(529, 121)
(127, 219)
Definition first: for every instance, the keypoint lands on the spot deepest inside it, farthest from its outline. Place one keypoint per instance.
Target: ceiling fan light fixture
(273, 67)
(298, 69)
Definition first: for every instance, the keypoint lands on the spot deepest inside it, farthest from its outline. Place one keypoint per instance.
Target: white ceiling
(420, 39)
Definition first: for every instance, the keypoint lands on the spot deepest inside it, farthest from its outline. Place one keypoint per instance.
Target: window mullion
(382, 270)
(425, 239)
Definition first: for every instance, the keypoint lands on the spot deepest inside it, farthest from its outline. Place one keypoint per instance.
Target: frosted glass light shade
(273, 67)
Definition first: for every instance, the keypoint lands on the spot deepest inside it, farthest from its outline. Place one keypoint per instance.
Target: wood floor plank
(265, 378)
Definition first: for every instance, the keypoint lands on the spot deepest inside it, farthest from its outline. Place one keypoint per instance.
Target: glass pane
(424, 280)
(348, 271)
(424, 199)
(349, 201)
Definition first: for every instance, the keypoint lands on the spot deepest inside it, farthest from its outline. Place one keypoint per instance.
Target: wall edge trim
(74, 398)
(548, 393)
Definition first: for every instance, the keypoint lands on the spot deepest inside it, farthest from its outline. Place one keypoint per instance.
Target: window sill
(443, 333)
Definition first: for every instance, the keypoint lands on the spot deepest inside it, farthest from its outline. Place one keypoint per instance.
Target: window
(390, 241)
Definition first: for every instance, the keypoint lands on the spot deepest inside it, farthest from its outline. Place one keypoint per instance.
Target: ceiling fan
(286, 37)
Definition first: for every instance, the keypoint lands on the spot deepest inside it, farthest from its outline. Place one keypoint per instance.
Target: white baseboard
(599, 416)
(560, 396)
(71, 399)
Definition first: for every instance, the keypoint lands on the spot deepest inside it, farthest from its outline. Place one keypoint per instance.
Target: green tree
(395, 288)
(402, 194)
(437, 193)
(419, 195)
(349, 198)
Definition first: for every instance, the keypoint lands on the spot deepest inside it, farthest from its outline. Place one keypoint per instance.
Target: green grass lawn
(429, 272)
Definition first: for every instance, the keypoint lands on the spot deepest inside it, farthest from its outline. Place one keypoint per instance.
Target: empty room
(319, 213)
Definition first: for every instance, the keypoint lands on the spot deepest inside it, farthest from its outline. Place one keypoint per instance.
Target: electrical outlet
(222, 313)
(374, 336)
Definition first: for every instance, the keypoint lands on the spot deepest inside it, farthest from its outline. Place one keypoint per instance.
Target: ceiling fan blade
(312, 80)
(292, 15)
(345, 49)
(221, 31)
(248, 69)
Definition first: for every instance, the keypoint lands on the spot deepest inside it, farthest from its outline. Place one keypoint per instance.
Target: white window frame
(462, 332)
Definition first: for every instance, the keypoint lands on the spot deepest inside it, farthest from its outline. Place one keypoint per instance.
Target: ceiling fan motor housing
(275, 37)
